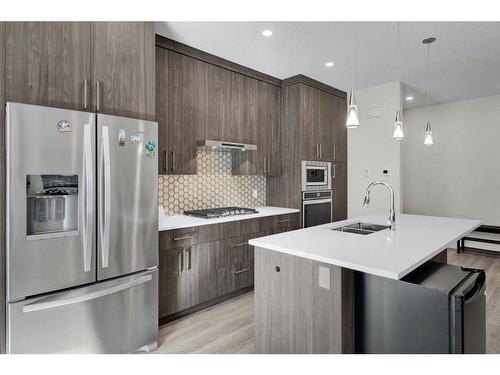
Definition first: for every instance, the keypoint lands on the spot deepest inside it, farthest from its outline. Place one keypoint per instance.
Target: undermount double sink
(361, 228)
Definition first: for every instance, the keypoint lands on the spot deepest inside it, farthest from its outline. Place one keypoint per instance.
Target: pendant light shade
(428, 140)
(352, 113)
(398, 128)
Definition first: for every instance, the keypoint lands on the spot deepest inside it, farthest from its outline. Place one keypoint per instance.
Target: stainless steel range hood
(226, 145)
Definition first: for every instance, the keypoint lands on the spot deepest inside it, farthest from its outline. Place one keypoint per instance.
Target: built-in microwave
(316, 175)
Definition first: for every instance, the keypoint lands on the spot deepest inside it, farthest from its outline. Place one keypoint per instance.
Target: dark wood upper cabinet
(327, 124)
(322, 133)
(161, 107)
(340, 139)
(310, 131)
(271, 98)
(218, 94)
(197, 100)
(123, 68)
(48, 63)
(61, 64)
(313, 128)
(261, 120)
(181, 104)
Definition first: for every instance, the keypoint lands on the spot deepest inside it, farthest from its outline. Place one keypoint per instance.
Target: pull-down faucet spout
(392, 213)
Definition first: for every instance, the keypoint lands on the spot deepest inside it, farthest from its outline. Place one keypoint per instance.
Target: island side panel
(293, 313)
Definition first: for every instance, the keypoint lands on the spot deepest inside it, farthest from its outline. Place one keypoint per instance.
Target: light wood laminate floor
(229, 326)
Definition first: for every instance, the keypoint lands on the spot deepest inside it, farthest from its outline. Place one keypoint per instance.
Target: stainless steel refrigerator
(81, 232)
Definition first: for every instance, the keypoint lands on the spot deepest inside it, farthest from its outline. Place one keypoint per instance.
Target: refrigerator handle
(50, 304)
(105, 198)
(97, 96)
(85, 93)
(88, 198)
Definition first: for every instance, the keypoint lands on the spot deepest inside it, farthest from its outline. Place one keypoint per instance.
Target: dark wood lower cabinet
(199, 274)
(339, 184)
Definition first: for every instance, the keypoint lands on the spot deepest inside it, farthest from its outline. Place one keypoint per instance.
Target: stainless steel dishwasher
(438, 308)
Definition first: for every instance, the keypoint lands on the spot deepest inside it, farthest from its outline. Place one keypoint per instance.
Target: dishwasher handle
(476, 281)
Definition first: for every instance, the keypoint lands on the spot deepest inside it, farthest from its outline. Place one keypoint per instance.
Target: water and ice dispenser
(52, 204)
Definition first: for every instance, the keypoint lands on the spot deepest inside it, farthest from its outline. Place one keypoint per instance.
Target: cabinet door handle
(240, 244)
(241, 271)
(335, 152)
(268, 165)
(85, 93)
(265, 165)
(165, 161)
(320, 150)
(284, 221)
(188, 251)
(97, 96)
(183, 238)
(173, 161)
(180, 261)
(333, 172)
(317, 150)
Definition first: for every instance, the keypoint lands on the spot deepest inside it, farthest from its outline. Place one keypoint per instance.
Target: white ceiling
(465, 59)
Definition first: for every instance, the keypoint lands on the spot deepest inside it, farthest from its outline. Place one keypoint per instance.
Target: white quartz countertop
(183, 221)
(391, 254)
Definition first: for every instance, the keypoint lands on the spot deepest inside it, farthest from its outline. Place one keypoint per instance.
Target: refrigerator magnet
(150, 149)
(121, 137)
(136, 138)
(64, 126)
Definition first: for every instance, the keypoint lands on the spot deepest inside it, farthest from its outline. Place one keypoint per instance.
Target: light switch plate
(255, 193)
(324, 277)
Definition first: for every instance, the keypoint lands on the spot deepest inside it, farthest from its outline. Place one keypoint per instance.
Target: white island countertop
(166, 222)
(391, 254)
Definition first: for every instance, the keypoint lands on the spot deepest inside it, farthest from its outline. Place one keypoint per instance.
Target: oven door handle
(317, 201)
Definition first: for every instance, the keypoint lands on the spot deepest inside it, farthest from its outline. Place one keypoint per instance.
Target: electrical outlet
(255, 193)
(324, 277)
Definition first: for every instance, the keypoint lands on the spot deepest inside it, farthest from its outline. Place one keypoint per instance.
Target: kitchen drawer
(113, 316)
(175, 238)
(242, 274)
(283, 222)
(240, 249)
(212, 232)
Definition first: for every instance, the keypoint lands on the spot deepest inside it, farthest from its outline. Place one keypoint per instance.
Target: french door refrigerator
(81, 232)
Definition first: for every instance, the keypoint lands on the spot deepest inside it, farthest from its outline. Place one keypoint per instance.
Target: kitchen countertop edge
(184, 221)
(267, 243)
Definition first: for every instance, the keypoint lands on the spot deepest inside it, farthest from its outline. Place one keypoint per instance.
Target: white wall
(371, 148)
(460, 175)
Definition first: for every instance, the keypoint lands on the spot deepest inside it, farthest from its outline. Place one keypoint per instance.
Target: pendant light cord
(428, 73)
(397, 51)
(397, 67)
(352, 63)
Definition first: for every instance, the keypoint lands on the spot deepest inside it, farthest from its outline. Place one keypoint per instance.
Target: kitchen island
(304, 284)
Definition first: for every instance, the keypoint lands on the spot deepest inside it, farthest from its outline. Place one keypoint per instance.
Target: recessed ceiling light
(408, 98)
(267, 33)
(329, 64)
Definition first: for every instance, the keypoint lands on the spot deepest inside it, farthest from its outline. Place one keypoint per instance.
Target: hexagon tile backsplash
(213, 186)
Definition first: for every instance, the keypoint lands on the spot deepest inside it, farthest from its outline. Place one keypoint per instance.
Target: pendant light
(352, 109)
(398, 128)
(428, 139)
(398, 124)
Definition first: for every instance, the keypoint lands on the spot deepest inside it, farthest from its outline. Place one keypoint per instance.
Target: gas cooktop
(211, 213)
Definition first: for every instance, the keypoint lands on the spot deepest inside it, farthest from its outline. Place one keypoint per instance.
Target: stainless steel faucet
(392, 213)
